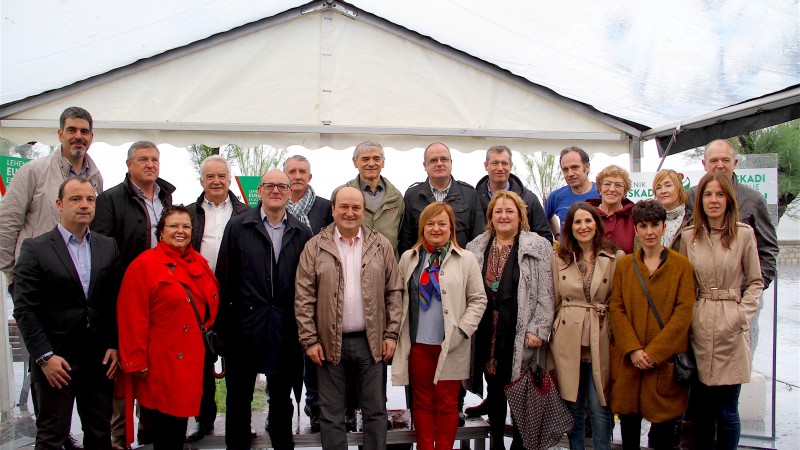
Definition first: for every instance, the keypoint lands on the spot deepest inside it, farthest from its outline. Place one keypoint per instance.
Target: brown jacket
(652, 393)
(571, 308)
(729, 287)
(320, 288)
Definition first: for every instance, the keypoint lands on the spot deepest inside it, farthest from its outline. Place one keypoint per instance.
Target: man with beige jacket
(347, 304)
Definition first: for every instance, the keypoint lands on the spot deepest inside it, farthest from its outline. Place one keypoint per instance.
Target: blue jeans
(717, 405)
(601, 415)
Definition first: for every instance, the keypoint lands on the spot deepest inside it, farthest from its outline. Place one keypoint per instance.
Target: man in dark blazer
(66, 285)
(258, 257)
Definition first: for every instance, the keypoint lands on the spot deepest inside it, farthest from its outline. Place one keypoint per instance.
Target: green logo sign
(8, 167)
(249, 188)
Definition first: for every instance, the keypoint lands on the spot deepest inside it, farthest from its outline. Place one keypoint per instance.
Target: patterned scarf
(301, 209)
(674, 222)
(429, 288)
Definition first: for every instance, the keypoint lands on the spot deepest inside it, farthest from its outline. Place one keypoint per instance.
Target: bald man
(258, 256)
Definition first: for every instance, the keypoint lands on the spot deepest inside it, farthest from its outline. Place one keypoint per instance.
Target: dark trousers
(662, 436)
(717, 414)
(356, 362)
(90, 389)
(208, 403)
(240, 379)
(496, 396)
(310, 381)
(168, 431)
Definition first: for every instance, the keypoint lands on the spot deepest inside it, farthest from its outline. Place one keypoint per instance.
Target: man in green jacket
(384, 202)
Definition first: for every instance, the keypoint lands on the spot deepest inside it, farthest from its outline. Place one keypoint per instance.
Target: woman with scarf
(517, 279)
(443, 302)
(583, 268)
(669, 191)
(160, 342)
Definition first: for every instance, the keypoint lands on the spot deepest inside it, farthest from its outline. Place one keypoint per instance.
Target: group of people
(117, 291)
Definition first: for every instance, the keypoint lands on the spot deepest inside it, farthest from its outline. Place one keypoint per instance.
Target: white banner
(764, 181)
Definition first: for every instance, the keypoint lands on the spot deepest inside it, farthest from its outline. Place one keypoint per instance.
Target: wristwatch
(42, 360)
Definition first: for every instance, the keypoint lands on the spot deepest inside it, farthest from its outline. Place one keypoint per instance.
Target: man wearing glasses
(441, 186)
(258, 257)
(498, 167)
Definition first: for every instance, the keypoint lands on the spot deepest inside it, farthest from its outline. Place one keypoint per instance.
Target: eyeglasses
(282, 187)
(608, 184)
(504, 164)
(442, 159)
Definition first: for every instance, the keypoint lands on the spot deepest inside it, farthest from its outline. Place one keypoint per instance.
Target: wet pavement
(18, 428)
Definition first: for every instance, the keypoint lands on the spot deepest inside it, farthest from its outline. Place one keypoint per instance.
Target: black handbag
(685, 364)
(209, 336)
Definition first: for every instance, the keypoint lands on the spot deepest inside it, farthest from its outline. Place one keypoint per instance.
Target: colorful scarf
(429, 288)
(303, 206)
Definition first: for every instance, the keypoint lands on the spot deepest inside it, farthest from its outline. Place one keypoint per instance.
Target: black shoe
(350, 420)
(72, 444)
(202, 430)
(313, 414)
(478, 410)
(462, 419)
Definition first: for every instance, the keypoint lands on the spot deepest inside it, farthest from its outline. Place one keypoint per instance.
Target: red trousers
(434, 407)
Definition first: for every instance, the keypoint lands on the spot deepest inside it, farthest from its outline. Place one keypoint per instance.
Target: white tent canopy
(322, 79)
(249, 72)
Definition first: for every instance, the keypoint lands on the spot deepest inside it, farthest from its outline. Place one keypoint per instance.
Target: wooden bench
(471, 435)
(20, 354)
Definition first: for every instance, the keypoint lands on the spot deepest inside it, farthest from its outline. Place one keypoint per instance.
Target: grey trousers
(356, 362)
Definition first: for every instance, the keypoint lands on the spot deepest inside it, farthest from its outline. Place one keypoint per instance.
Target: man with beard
(29, 207)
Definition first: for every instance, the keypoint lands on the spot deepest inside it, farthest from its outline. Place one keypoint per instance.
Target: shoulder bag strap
(191, 300)
(646, 292)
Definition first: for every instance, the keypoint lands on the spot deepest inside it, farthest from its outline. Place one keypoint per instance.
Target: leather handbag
(685, 364)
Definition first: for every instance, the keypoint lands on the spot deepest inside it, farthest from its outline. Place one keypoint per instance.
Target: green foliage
(199, 152)
(255, 161)
(259, 396)
(784, 140)
(544, 176)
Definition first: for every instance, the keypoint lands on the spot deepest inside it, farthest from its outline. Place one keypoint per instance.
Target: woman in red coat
(160, 343)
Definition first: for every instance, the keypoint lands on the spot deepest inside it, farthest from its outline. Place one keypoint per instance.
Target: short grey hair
(216, 158)
(141, 144)
(300, 158)
(367, 145)
(498, 149)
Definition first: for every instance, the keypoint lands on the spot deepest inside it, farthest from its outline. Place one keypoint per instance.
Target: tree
(784, 140)
(199, 152)
(257, 160)
(544, 176)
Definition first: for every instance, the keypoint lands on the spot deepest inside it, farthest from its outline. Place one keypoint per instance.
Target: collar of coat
(530, 244)
(253, 217)
(166, 188)
(370, 236)
(236, 204)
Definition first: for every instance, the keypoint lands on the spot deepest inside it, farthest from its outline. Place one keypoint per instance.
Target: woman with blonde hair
(517, 278)
(443, 302)
(614, 208)
(668, 190)
(727, 273)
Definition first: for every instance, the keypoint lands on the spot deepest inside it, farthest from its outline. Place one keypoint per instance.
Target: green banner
(249, 188)
(8, 167)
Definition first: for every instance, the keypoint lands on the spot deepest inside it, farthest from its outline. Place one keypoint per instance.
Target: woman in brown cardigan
(642, 371)
(582, 271)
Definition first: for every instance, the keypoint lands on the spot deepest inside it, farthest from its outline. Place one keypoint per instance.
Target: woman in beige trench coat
(729, 284)
(583, 268)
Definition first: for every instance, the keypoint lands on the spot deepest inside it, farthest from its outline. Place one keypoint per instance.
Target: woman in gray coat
(516, 269)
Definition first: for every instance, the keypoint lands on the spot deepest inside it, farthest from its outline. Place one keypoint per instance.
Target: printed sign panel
(249, 188)
(8, 167)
